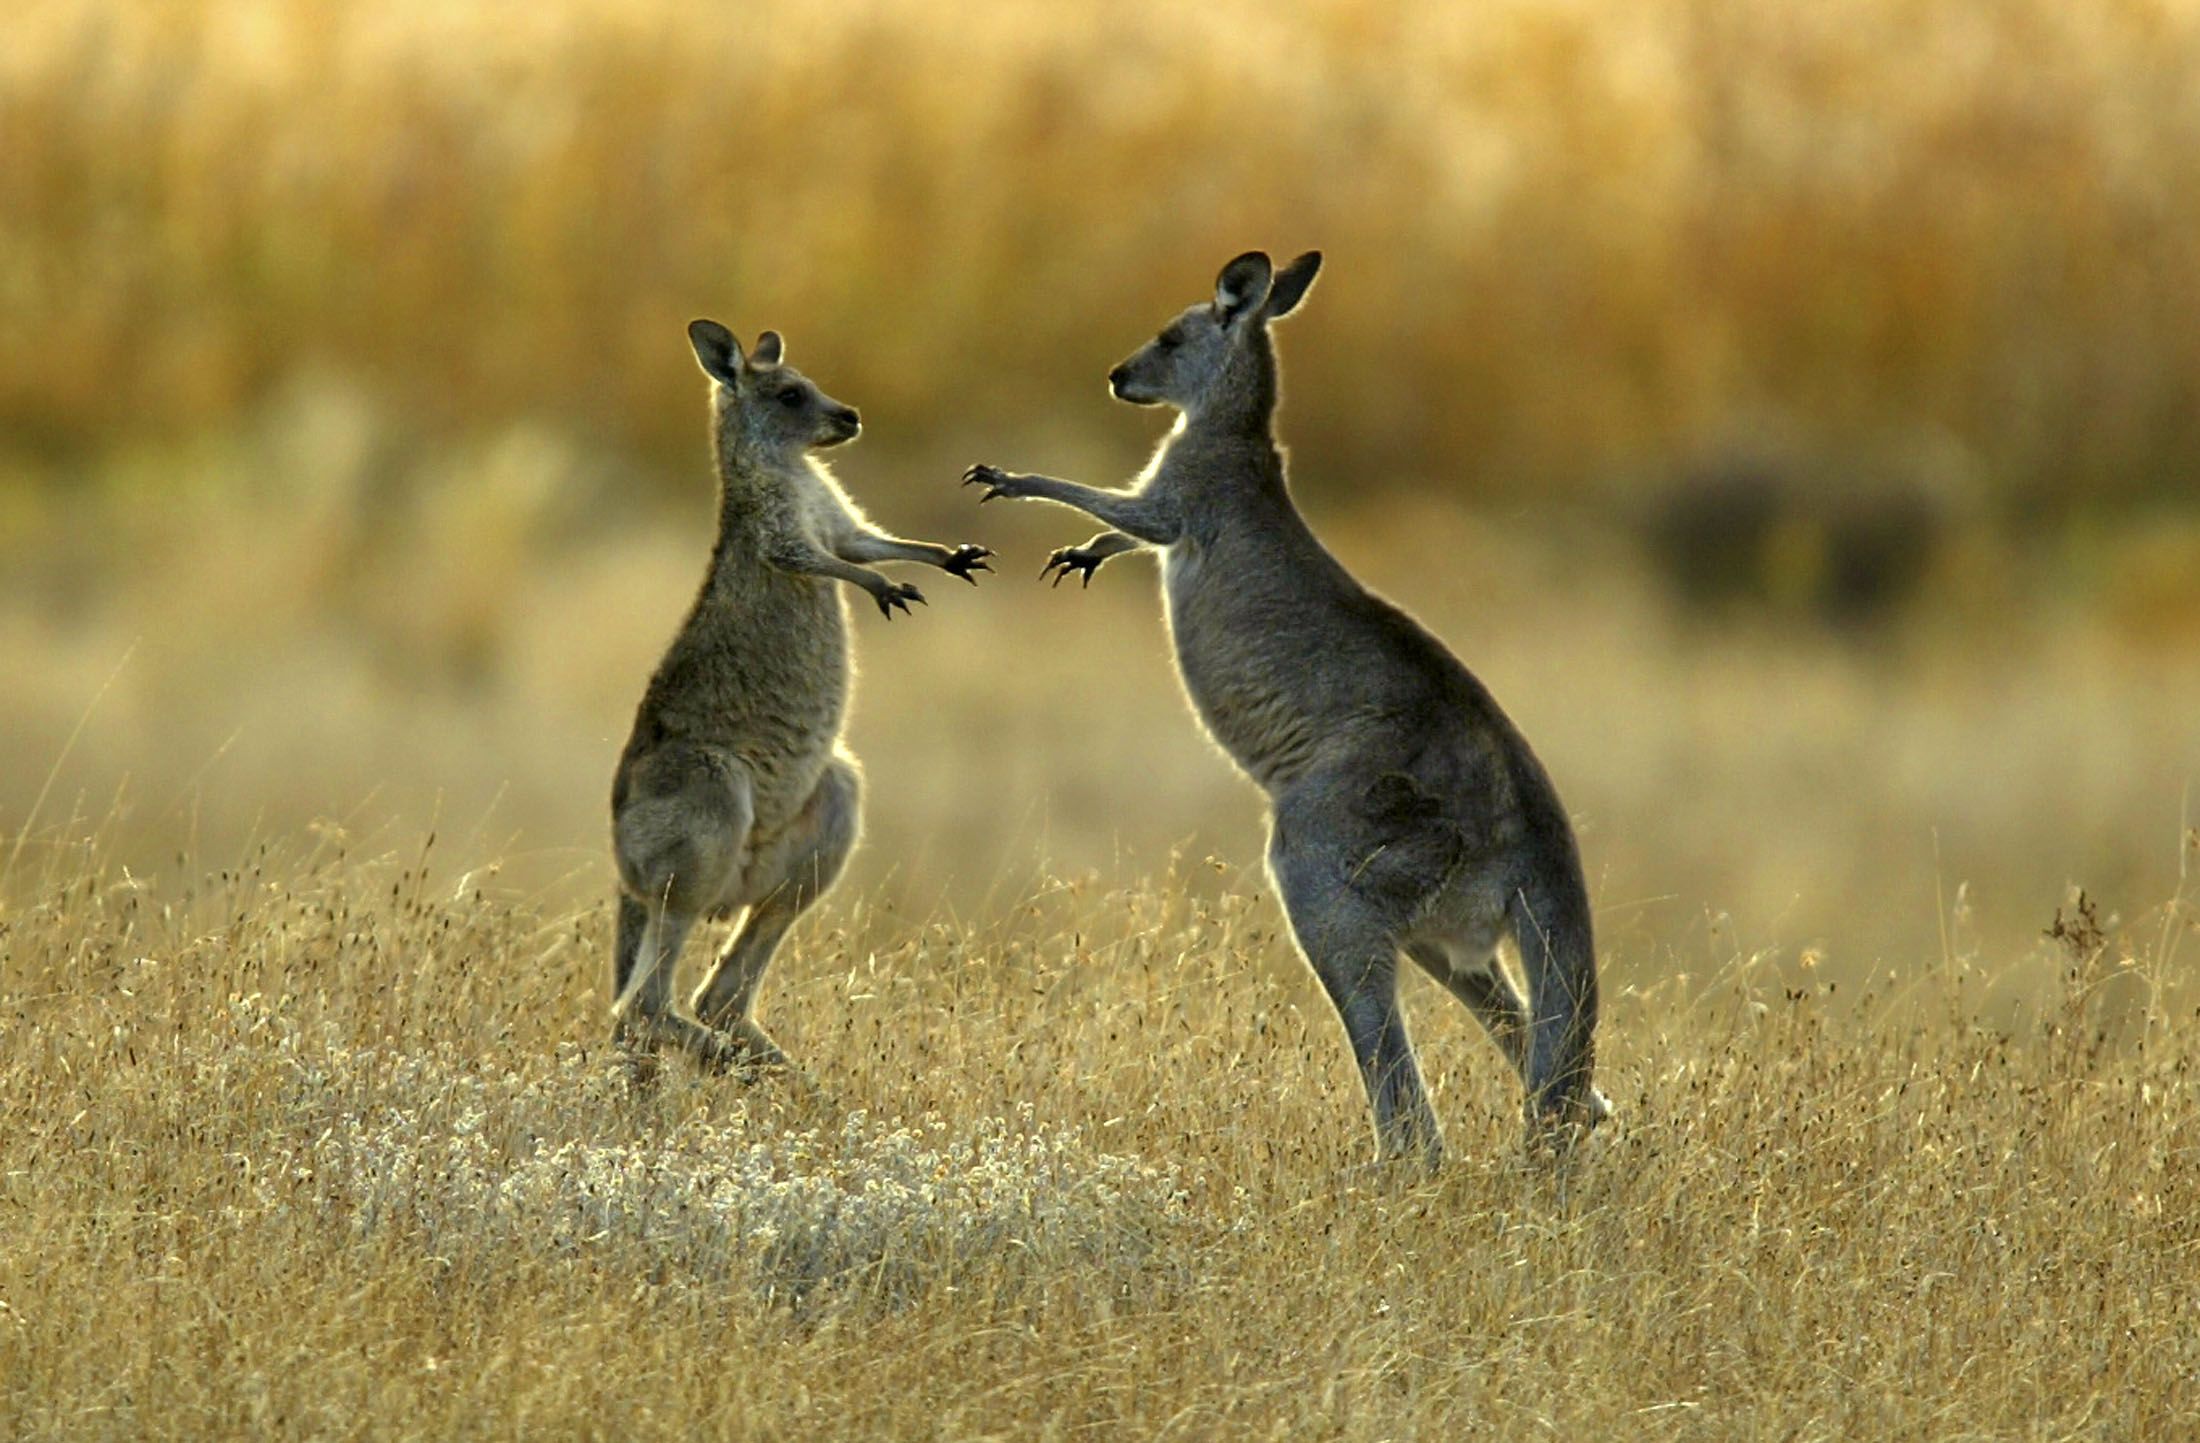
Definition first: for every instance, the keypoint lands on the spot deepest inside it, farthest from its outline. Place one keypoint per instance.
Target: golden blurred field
(1566, 244)
(1791, 411)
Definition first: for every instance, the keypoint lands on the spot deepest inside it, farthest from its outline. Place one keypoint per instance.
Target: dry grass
(321, 1145)
(307, 619)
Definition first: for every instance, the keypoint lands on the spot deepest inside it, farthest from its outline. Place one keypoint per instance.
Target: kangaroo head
(762, 402)
(1216, 357)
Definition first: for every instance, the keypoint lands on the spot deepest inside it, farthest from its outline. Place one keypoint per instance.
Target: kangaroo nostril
(851, 416)
(1115, 377)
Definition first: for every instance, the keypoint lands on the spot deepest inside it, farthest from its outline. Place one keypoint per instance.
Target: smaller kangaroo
(1406, 812)
(734, 793)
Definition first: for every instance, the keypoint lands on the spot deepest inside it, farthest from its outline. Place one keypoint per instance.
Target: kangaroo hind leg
(1470, 972)
(1353, 950)
(678, 840)
(787, 877)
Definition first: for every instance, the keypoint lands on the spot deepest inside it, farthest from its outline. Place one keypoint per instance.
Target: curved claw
(897, 595)
(993, 478)
(968, 557)
(1068, 559)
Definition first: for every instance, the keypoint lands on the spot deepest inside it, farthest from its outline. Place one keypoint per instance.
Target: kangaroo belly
(784, 776)
(765, 683)
(790, 723)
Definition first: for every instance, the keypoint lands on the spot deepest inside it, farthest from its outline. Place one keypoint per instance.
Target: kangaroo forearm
(1145, 518)
(805, 562)
(871, 546)
(1110, 543)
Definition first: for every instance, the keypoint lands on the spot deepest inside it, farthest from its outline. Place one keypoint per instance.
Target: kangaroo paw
(898, 594)
(1069, 559)
(967, 558)
(995, 481)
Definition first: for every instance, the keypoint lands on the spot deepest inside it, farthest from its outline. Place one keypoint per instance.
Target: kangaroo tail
(1551, 926)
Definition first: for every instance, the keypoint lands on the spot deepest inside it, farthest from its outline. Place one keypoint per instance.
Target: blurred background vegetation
(1791, 409)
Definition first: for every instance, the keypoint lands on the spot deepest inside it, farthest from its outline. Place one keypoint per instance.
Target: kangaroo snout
(1133, 381)
(847, 424)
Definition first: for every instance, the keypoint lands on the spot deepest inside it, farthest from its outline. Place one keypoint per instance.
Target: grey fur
(734, 794)
(1406, 812)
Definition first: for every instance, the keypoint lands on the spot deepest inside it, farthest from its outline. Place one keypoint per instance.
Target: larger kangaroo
(734, 793)
(1406, 812)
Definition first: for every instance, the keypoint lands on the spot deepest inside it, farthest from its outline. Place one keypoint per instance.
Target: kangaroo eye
(791, 397)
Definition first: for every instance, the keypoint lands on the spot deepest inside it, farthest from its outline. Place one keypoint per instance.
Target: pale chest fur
(760, 671)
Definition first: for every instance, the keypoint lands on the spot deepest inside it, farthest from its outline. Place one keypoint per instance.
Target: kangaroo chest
(1244, 662)
(764, 674)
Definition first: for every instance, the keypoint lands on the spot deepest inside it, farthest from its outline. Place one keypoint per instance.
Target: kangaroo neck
(1223, 433)
(744, 461)
(1230, 461)
(755, 500)
(1242, 413)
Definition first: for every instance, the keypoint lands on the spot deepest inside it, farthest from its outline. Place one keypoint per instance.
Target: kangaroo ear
(716, 348)
(1292, 283)
(770, 350)
(1242, 285)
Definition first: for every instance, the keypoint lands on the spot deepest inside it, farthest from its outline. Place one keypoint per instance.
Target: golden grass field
(352, 475)
(321, 1145)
